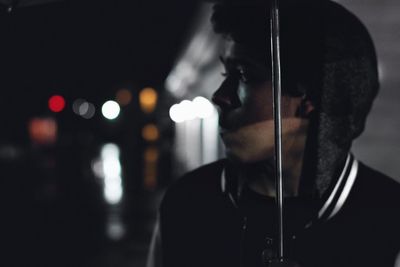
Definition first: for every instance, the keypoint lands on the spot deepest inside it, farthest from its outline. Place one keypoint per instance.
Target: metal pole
(277, 92)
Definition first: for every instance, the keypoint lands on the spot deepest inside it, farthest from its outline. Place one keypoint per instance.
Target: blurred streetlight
(56, 103)
(148, 99)
(110, 110)
(188, 110)
(123, 97)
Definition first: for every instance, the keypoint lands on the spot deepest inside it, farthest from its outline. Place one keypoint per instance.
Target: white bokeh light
(83, 108)
(76, 106)
(110, 110)
(175, 112)
(90, 111)
(113, 191)
(188, 110)
(203, 107)
(111, 173)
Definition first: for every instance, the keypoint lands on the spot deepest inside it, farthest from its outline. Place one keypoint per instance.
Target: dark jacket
(357, 223)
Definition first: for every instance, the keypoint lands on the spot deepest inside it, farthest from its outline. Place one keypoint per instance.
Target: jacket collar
(335, 198)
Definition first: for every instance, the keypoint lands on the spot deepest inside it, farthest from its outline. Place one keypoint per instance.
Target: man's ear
(305, 108)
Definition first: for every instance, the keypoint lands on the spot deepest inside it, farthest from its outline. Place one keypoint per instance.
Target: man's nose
(225, 97)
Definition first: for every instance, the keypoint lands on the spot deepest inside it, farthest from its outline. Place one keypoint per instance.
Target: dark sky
(85, 49)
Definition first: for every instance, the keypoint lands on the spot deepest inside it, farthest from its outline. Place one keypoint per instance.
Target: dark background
(52, 209)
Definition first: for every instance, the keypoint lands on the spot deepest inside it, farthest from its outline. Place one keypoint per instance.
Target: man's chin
(233, 157)
(242, 157)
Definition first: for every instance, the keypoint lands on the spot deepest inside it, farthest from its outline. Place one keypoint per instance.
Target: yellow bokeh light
(148, 99)
(151, 154)
(150, 176)
(150, 132)
(123, 97)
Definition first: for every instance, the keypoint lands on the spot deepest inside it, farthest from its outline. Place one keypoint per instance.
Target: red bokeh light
(56, 103)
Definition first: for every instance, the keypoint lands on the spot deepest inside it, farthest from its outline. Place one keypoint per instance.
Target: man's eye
(238, 74)
(251, 76)
(242, 74)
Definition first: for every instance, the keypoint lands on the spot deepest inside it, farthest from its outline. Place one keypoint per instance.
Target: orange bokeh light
(151, 155)
(150, 132)
(123, 97)
(148, 99)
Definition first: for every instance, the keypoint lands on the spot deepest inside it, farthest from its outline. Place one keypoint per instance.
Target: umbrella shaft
(277, 92)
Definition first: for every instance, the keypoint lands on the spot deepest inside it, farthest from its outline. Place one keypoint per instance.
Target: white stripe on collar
(335, 189)
(346, 182)
(346, 190)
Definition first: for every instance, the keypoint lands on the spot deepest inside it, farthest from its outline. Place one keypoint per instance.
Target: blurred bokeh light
(150, 132)
(56, 103)
(43, 130)
(123, 97)
(110, 110)
(148, 99)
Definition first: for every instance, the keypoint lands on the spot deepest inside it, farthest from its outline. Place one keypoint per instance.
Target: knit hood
(328, 55)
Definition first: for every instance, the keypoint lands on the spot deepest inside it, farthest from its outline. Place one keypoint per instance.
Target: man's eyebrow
(237, 60)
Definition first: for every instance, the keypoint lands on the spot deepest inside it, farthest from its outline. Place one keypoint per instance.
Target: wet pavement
(55, 213)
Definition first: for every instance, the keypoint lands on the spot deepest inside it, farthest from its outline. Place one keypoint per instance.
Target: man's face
(245, 104)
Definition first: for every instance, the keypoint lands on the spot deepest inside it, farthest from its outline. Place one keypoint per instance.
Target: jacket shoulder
(379, 184)
(195, 185)
(377, 196)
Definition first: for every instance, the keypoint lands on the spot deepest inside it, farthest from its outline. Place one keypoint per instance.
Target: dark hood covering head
(328, 55)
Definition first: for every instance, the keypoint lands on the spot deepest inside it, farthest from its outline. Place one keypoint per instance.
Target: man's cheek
(242, 93)
(250, 143)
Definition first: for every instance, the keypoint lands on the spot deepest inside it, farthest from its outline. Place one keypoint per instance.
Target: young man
(338, 212)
